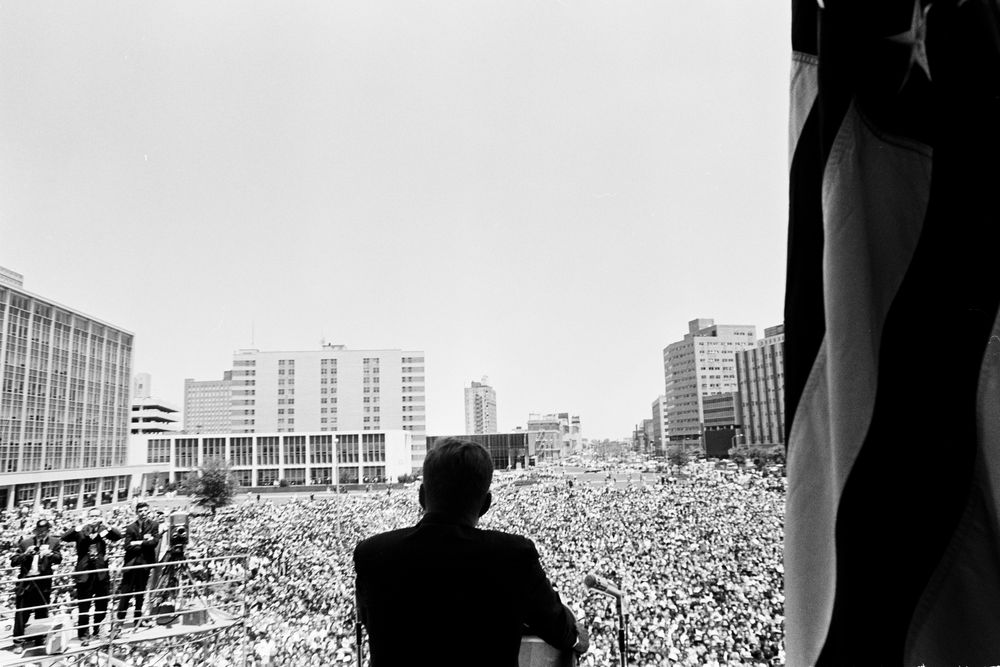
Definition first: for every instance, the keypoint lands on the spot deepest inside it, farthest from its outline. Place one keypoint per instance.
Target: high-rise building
(330, 389)
(761, 372)
(702, 364)
(659, 424)
(208, 404)
(64, 406)
(480, 408)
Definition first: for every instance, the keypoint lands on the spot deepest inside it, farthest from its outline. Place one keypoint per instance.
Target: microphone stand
(622, 630)
(358, 637)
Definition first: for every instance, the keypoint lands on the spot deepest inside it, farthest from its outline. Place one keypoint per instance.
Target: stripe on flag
(892, 385)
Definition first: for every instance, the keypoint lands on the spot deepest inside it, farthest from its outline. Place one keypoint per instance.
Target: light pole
(336, 463)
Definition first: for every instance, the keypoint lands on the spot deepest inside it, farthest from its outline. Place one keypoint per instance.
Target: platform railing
(222, 590)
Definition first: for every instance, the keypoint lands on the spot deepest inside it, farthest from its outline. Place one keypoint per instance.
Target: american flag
(892, 377)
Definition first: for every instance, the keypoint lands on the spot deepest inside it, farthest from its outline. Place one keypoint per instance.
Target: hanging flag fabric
(892, 343)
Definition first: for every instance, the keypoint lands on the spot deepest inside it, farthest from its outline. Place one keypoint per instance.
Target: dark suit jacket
(440, 593)
(84, 540)
(146, 553)
(22, 560)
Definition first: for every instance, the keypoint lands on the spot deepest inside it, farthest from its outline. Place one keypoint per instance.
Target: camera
(178, 535)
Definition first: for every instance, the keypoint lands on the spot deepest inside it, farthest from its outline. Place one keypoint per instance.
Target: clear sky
(543, 192)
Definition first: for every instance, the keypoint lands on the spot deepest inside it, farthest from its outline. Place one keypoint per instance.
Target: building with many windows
(761, 372)
(659, 425)
(480, 408)
(702, 364)
(207, 405)
(64, 403)
(723, 411)
(331, 389)
(507, 450)
(265, 459)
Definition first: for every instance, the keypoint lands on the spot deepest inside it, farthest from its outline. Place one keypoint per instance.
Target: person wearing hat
(92, 587)
(36, 554)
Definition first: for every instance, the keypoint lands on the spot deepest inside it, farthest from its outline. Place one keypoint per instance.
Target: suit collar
(441, 518)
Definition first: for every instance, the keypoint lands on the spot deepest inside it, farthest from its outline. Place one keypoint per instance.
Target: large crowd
(698, 558)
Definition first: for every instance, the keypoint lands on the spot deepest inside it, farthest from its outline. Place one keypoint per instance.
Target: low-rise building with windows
(267, 459)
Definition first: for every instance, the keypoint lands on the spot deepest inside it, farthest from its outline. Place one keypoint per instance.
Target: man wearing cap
(141, 538)
(36, 554)
(92, 539)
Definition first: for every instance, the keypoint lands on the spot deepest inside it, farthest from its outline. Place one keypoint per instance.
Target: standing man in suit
(92, 588)
(446, 593)
(36, 554)
(141, 539)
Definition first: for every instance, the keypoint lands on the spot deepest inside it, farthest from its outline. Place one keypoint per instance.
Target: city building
(265, 459)
(330, 389)
(723, 411)
(761, 374)
(207, 405)
(508, 450)
(642, 438)
(702, 364)
(480, 408)
(64, 406)
(659, 425)
(547, 432)
(572, 436)
(150, 415)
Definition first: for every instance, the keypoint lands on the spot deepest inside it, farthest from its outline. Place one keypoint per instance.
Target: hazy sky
(542, 192)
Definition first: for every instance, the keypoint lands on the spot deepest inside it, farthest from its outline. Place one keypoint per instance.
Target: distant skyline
(544, 193)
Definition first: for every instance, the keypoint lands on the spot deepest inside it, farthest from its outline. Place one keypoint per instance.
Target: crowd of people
(698, 559)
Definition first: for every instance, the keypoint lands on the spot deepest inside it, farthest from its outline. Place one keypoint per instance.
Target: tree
(679, 457)
(213, 486)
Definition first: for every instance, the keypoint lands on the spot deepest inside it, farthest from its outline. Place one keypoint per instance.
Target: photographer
(141, 538)
(35, 557)
(92, 540)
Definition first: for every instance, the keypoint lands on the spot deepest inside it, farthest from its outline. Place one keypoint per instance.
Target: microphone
(601, 585)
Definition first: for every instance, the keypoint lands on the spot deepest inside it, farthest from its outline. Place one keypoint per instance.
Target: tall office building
(659, 423)
(761, 372)
(208, 404)
(64, 407)
(330, 389)
(480, 408)
(702, 364)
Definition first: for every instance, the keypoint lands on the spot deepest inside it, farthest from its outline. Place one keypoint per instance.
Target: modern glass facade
(64, 402)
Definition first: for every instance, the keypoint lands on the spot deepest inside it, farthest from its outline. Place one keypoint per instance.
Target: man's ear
(420, 497)
(487, 501)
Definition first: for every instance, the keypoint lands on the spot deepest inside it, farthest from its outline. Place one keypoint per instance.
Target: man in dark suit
(92, 588)
(448, 594)
(141, 538)
(36, 554)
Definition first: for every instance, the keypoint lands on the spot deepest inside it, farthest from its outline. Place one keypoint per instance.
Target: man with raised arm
(93, 583)
(446, 593)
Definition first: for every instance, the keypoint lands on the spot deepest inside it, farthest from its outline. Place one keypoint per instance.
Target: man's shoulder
(382, 540)
(506, 540)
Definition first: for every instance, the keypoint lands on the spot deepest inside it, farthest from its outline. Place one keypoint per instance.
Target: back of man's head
(457, 476)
